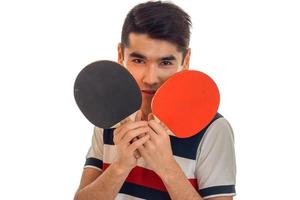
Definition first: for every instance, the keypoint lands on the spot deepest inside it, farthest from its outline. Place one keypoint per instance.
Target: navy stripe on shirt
(94, 162)
(143, 192)
(187, 147)
(223, 189)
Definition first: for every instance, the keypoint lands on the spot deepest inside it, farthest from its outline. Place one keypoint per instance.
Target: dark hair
(159, 20)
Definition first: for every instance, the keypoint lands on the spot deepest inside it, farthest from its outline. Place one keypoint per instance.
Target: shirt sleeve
(94, 157)
(215, 164)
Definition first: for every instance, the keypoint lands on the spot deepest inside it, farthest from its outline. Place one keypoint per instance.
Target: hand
(157, 151)
(128, 138)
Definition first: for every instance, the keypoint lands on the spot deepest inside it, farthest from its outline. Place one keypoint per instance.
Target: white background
(251, 49)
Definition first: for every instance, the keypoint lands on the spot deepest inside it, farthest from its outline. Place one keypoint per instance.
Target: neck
(145, 113)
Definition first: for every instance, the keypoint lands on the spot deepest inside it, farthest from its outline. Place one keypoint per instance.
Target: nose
(151, 76)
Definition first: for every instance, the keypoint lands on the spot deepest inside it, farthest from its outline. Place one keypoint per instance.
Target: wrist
(120, 169)
(170, 171)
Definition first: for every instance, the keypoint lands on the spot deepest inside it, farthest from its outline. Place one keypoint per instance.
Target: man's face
(151, 62)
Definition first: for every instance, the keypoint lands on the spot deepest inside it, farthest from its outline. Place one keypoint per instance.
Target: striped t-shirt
(207, 159)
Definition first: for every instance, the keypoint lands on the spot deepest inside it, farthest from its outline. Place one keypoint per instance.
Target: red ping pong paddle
(186, 102)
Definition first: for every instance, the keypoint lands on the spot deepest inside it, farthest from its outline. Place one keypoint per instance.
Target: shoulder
(220, 128)
(98, 131)
(98, 134)
(218, 139)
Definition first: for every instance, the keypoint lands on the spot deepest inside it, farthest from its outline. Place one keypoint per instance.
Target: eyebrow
(168, 58)
(141, 56)
(137, 55)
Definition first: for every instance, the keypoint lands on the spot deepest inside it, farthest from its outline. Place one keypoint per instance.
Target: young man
(138, 159)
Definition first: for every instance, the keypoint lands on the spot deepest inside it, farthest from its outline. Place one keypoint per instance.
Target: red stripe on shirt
(148, 178)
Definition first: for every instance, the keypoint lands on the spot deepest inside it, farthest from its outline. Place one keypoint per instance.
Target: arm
(158, 154)
(96, 185)
(215, 166)
(113, 184)
(215, 163)
(179, 187)
(177, 184)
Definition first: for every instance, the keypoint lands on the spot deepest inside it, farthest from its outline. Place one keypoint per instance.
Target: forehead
(151, 48)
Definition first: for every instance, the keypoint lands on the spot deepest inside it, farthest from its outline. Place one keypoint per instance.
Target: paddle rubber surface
(186, 102)
(106, 93)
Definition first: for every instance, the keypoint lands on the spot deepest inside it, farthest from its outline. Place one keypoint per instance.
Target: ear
(186, 62)
(120, 54)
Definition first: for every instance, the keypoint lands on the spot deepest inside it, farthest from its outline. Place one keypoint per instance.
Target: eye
(138, 61)
(166, 62)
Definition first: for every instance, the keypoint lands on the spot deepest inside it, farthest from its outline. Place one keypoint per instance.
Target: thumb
(138, 116)
(150, 116)
(164, 126)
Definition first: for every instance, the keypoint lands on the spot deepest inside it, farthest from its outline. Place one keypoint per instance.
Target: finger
(142, 135)
(138, 116)
(133, 140)
(149, 145)
(164, 126)
(126, 120)
(134, 133)
(130, 126)
(136, 153)
(142, 149)
(133, 125)
(153, 135)
(117, 136)
(138, 143)
(116, 132)
(157, 127)
(151, 132)
(150, 116)
(123, 123)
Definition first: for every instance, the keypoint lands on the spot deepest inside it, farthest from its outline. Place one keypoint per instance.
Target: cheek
(136, 73)
(167, 73)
